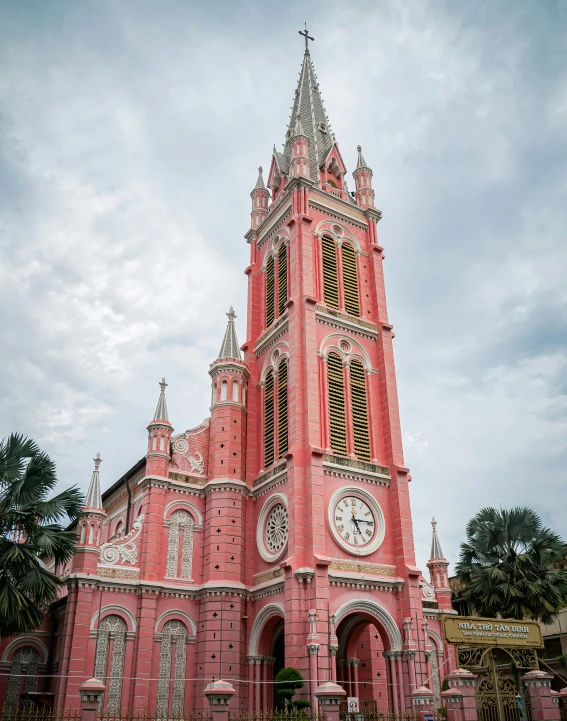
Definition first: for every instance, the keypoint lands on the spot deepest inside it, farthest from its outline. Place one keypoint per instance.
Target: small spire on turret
(230, 348)
(298, 128)
(360, 163)
(436, 552)
(161, 409)
(93, 498)
(260, 181)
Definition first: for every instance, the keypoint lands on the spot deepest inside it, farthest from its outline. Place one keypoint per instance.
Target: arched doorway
(266, 657)
(369, 657)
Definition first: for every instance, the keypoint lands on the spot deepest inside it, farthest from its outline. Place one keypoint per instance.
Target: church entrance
(277, 653)
(363, 668)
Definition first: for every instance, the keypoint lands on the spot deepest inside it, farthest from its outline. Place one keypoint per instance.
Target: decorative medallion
(356, 521)
(273, 528)
(276, 528)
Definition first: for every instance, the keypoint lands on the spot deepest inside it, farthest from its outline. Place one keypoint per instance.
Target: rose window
(276, 528)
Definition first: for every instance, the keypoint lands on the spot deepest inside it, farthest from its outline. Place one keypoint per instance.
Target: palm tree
(30, 533)
(509, 566)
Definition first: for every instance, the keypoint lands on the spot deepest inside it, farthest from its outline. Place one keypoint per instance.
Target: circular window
(276, 528)
(273, 528)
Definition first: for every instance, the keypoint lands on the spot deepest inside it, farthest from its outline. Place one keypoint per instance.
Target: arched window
(235, 391)
(173, 651)
(337, 412)
(109, 662)
(119, 528)
(91, 533)
(269, 420)
(22, 678)
(330, 278)
(282, 278)
(359, 405)
(350, 279)
(180, 545)
(282, 408)
(270, 291)
(224, 391)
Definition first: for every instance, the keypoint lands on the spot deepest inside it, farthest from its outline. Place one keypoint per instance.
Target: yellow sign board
(475, 631)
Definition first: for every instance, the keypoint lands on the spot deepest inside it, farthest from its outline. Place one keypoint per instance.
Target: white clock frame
(263, 550)
(376, 542)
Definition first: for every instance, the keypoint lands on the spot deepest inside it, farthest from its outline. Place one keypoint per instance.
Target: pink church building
(278, 531)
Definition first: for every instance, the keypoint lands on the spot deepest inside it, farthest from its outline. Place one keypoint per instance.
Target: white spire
(436, 552)
(94, 498)
(360, 163)
(161, 410)
(260, 181)
(230, 347)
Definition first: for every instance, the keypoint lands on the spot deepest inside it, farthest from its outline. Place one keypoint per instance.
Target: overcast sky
(130, 136)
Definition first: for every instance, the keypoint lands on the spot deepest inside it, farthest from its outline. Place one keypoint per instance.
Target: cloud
(130, 135)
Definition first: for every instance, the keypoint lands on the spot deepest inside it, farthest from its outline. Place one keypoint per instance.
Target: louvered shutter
(282, 409)
(350, 280)
(269, 421)
(270, 292)
(337, 412)
(359, 404)
(282, 278)
(330, 279)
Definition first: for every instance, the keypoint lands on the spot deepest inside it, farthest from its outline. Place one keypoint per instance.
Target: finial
(307, 37)
(163, 385)
(97, 461)
(359, 148)
(231, 314)
(260, 168)
(360, 163)
(433, 522)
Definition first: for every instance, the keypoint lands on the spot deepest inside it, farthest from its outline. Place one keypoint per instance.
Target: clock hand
(361, 520)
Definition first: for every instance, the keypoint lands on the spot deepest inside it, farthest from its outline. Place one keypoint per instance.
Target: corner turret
(90, 526)
(438, 571)
(364, 194)
(159, 435)
(260, 198)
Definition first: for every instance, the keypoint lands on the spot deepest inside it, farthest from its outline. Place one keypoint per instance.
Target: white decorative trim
(331, 343)
(326, 227)
(25, 641)
(270, 363)
(112, 609)
(379, 613)
(327, 317)
(376, 542)
(269, 611)
(165, 617)
(437, 639)
(266, 554)
(185, 505)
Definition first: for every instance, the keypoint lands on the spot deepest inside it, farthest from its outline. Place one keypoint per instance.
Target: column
(348, 669)
(354, 664)
(401, 680)
(333, 649)
(265, 685)
(393, 678)
(410, 654)
(251, 660)
(313, 650)
(257, 683)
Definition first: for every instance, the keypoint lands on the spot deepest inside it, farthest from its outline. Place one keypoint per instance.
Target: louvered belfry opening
(337, 411)
(282, 409)
(269, 420)
(350, 279)
(330, 278)
(359, 404)
(282, 278)
(270, 291)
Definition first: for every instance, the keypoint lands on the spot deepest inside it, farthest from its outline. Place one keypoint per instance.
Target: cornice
(349, 214)
(336, 319)
(355, 470)
(273, 218)
(271, 336)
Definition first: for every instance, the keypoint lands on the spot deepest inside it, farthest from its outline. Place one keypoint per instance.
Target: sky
(130, 136)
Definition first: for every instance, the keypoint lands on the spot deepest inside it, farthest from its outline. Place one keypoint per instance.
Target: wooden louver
(282, 278)
(282, 409)
(330, 279)
(269, 421)
(359, 404)
(350, 280)
(270, 292)
(337, 412)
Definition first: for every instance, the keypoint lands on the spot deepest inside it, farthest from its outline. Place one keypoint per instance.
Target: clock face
(354, 521)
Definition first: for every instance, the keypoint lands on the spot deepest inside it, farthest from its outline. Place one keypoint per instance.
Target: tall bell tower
(331, 563)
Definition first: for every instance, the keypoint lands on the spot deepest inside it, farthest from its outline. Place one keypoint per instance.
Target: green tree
(30, 533)
(509, 566)
(287, 681)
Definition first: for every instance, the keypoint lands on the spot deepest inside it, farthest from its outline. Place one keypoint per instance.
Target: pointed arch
(337, 407)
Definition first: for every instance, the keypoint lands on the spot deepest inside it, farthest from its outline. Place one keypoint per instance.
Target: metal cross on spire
(307, 37)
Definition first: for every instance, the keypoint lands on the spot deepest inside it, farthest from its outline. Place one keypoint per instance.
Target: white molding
(379, 613)
(379, 519)
(25, 641)
(192, 627)
(108, 610)
(185, 505)
(269, 611)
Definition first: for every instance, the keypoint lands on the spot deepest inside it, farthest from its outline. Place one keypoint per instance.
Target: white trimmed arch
(331, 343)
(268, 612)
(13, 646)
(326, 227)
(438, 643)
(176, 616)
(379, 613)
(124, 613)
(274, 246)
(183, 505)
(270, 364)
